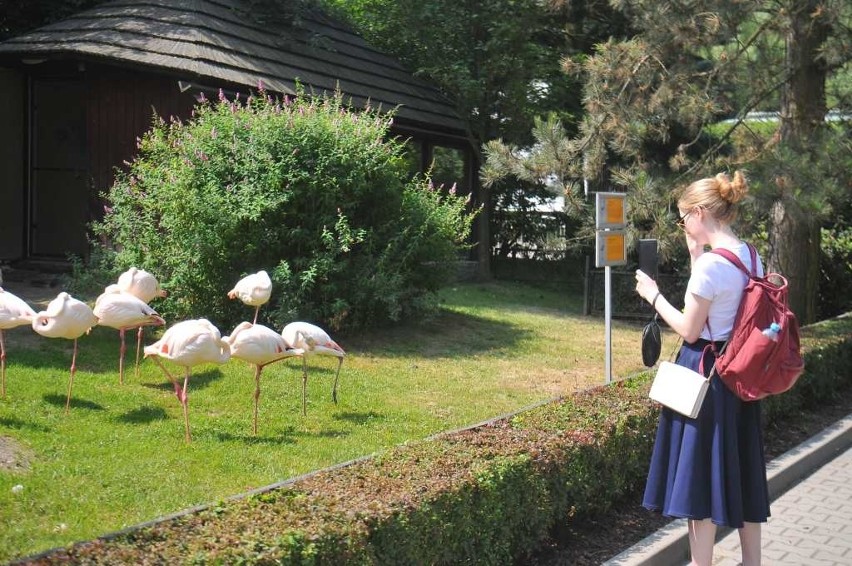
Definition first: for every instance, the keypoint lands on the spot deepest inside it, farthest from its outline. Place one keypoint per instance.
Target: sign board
(610, 211)
(610, 248)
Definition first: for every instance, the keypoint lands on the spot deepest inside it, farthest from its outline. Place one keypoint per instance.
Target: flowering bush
(302, 187)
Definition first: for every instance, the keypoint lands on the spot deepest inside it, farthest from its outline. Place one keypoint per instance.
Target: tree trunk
(794, 233)
(483, 228)
(794, 252)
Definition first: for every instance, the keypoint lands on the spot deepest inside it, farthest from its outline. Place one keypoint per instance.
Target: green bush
(835, 272)
(316, 195)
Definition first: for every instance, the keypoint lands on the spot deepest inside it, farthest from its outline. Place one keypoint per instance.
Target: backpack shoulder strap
(732, 257)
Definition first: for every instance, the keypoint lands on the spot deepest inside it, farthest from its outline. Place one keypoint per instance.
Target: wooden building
(77, 93)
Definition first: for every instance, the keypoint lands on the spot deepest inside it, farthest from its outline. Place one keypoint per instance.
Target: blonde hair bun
(732, 191)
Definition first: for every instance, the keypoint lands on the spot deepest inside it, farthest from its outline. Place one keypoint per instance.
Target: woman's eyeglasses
(681, 222)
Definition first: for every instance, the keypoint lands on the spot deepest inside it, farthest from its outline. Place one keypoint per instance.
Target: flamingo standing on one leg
(189, 343)
(66, 317)
(253, 290)
(13, 312)
(143, 286)
(306, 340)
(260, 346)
(124, 311)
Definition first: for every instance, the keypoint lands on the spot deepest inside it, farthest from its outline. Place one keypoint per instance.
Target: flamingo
(68, 318)
(143, 286)
(307, 340)
(258, 345)
(123, 311)
(189, 343)
(253, 290)
(140, 284)
(13, 312)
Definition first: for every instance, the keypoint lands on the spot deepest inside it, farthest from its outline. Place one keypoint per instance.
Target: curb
(670, 544)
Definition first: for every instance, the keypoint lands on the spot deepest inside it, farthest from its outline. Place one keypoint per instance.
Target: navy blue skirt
(710, 467)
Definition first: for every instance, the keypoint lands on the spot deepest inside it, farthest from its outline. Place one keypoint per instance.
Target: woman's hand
(645, 286)
(695, 248)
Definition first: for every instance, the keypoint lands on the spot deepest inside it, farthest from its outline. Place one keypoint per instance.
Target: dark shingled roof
(218, 39)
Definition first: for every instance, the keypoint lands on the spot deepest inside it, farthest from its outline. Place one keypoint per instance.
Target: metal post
(608, 323)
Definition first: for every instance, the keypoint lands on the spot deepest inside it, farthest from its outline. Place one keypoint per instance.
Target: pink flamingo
(189, 343)
(140, 284)
(306, 340)
(253, 290)
(124, 311)
(260, 346)
(144, 287)
(68, 318)
(13, 312)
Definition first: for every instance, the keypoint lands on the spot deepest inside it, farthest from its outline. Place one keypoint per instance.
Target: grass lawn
(119, 457)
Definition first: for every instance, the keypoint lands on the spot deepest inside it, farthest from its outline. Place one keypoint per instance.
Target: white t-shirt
(716, 279)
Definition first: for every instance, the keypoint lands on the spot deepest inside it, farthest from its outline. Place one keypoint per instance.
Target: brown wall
(11, 164)
(121, 108)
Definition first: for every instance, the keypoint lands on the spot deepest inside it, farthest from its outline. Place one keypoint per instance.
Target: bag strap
(712, 347)
(732, 257)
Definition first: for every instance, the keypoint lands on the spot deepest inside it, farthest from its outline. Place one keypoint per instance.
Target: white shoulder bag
(680, 389)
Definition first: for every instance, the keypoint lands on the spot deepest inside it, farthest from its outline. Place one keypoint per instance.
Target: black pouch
(651, 342)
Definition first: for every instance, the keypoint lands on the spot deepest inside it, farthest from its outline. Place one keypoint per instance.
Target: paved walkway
(811, 523)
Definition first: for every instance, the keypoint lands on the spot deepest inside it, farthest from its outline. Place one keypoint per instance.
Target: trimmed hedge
(485, 495)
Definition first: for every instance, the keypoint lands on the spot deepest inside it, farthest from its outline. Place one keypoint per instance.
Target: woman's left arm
(687, 323)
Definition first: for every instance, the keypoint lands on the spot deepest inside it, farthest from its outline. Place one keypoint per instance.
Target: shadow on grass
(271, 439)
(76, 403)
(448, 335)
(327, 434)
(96, 353)
(143, 415)
(21, 425)
(289, 435)
(359, 418)
(197, 381)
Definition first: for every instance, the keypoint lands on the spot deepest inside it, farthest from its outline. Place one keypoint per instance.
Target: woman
(709, 470)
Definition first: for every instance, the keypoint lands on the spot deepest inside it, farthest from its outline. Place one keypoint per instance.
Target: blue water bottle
(772, 331)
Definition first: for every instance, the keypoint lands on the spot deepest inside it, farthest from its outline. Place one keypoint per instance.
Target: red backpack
(751, 364)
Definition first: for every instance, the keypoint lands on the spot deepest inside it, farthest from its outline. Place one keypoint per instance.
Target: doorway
(58, 203)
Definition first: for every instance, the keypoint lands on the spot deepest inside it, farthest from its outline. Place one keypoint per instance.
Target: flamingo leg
(257, 371)
(334, 389)
(138, 350)
(3, 364)
(169, 375)
(121, 352)
(175, 384)
(256, 311)
(71, 380)
(304, 387)
(184, 401)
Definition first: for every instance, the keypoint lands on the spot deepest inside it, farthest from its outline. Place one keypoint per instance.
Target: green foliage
(499, 60)
(20, 17)
(827, 348)
(836, 272)
(311, 192)
(650, 102)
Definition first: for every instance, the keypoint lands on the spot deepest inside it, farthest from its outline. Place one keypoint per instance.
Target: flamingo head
(42, 321)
